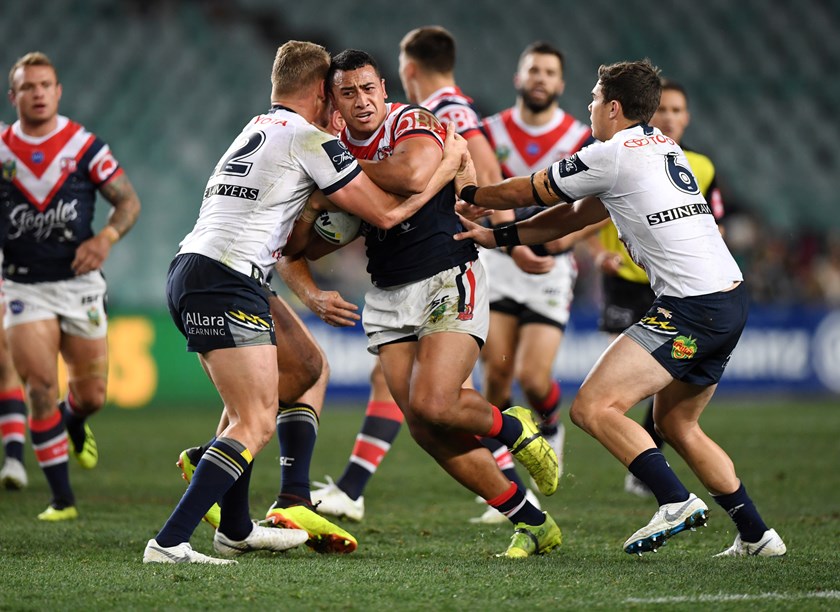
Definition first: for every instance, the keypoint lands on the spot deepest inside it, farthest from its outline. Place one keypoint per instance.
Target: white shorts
(454, 300)
(549, 295)
(78, 304)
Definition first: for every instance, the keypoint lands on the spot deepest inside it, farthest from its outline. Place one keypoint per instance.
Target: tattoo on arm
(120, 193)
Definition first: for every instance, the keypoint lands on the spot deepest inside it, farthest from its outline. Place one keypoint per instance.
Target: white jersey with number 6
(645, 182)
(259, 187)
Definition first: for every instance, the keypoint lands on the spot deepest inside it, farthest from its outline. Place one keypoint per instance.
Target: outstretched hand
(479, 234)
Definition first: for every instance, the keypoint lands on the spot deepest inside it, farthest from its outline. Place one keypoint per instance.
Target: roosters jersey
(422, 245)
(450, 105)
(654, 200)
(523, 149)
(259, 187)
(48, 192)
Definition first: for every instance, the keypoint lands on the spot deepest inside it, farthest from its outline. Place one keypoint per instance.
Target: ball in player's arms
(337, 227)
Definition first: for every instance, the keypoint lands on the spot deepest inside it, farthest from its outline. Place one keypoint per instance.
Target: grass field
(416, 549)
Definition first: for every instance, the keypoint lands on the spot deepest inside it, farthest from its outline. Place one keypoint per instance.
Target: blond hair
(298, 64)
(33, 58)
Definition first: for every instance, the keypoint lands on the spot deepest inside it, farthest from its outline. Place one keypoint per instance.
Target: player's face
(599, 114)
(35, 93)
(539, 81)
(672, 115)
(359, 95)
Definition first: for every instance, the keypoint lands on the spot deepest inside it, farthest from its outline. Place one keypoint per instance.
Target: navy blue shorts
(694, 337)
(216, 307)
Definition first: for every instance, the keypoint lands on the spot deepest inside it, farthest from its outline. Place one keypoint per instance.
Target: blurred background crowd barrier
(168, 84)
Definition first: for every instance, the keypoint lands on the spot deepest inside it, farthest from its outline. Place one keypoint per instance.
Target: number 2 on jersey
(234, 164)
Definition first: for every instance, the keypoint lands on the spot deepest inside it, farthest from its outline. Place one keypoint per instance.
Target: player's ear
(384, 91)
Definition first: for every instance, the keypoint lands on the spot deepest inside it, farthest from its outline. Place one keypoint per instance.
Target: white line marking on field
(720, 597)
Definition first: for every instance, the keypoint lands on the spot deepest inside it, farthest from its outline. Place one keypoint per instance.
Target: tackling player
(626, 288)
(217, 299)
(677, 352)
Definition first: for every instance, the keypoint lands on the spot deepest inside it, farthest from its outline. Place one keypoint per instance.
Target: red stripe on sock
(550, 400)
(497, 422)
(45, 424)
(15, 393)
(368, 452)
(13, 427)
(504, 459)
(500, 499)
(384, 410)
(53, 451)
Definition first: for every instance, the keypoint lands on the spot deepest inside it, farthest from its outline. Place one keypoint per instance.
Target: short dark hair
(351, 59)
(671, 85)
(542, 47)
(635, 85)
(433, 47)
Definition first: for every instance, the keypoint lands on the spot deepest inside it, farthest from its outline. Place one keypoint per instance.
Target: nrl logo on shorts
(683, 347)
(93, 316)
(9, 170)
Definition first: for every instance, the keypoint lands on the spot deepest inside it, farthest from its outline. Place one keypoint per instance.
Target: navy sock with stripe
(516, 508)
(219, 468)
(49, 439)
(297, 430)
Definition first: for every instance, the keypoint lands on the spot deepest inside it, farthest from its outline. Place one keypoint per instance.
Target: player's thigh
(296, 347)
(500, 347)
(625, 374)
(679, 405)
(444, 360)
(34, 348)
(536, 351)
(246, 379)
(8, 374)
(397, 361)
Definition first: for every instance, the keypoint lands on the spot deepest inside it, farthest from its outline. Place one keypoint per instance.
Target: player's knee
(432, 409)
(581, 413)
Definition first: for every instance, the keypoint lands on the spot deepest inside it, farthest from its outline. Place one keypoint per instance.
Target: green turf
(416, 549)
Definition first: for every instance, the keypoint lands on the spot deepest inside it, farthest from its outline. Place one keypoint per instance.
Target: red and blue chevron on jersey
(523, 149)
(48, 192)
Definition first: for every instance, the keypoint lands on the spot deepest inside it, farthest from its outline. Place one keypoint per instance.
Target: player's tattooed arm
(120, 193)
(92, 253)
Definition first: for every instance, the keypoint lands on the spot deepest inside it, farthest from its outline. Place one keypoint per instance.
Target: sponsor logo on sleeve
(571, 165)
(340, 156)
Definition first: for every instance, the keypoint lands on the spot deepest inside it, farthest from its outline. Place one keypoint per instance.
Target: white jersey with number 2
(645, 182)
(260, 186)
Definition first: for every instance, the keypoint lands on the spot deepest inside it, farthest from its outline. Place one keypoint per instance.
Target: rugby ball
(337, 227)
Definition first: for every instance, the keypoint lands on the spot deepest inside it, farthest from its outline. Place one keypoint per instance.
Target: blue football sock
(219, 468)
(742, 511)
(297, 430)
(651, 468)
